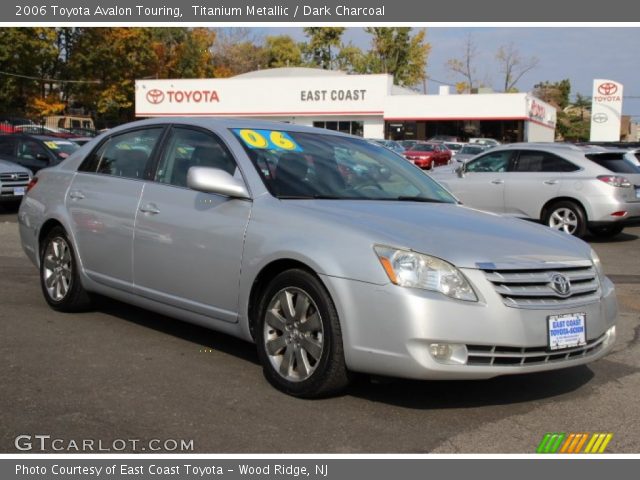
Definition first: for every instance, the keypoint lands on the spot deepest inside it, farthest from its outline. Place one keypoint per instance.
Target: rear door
(103, 201)
(536, 177)
(188, 244)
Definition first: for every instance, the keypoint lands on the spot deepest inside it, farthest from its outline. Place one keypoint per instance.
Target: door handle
(150, 208)
(550, 182)
(76, 195)
(497, 181)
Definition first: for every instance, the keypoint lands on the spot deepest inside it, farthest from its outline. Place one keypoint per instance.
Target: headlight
(415, 270)
(598, 266)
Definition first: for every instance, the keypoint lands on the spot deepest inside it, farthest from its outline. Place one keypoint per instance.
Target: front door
(188, 244)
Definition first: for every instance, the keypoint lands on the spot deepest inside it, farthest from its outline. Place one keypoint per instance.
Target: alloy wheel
(57, 268)
(293, 334)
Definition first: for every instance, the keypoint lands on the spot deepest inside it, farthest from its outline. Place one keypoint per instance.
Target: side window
(188, 148)
(537, 161)
(33, 151)
(125, 155)
(7, 145)
(491, 162)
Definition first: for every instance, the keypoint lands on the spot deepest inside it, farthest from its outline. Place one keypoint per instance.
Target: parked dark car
(428, 155)
(35, 152)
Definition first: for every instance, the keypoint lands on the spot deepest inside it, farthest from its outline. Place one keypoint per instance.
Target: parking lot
(124, 373)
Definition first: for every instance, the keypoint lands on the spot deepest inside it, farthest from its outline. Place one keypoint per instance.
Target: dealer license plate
(567, 331)
(18, 191)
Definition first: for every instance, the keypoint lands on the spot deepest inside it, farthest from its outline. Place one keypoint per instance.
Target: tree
(282, 51)
(318, 48)
(555, 93)
(464, 66)
(351, 59)
(513, 66)
(236, 51)
(28, 60)
(395, 51)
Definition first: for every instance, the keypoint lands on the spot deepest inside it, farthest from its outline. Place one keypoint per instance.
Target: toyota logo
(155, 96)
(600, 117)
(608, 88)
(560, 284)
(14, 176)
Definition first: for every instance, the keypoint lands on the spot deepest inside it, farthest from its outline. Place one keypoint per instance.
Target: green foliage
(397, 52)
(94, 68)
(317, 50)
(282, 51)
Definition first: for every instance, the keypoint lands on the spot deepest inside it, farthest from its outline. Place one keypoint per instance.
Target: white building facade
(367, 105)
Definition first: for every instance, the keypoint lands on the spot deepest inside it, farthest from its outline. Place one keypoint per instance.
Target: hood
(10, 167)
(460, 235)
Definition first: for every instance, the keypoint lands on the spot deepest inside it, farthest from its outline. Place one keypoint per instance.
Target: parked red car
(428, 155)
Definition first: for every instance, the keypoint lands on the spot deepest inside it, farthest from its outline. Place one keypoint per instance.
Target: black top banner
(315, 11)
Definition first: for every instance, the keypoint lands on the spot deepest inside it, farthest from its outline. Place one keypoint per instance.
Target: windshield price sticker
(51, 145)
(567, 331)
(267, 139)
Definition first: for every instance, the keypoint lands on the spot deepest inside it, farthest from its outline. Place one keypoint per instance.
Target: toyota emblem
(14, 176)
(600, 117)
(607, 88)
(155, 96)
(560, 284)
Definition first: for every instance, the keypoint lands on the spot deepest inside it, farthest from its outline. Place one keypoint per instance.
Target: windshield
(471, 150)
(422, 147)
(312, 165)
(453, 146)
(61, 148)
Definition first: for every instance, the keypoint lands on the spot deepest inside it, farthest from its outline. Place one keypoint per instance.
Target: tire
(59, 277)
(298, 337)
(566, 216)
(608, 231)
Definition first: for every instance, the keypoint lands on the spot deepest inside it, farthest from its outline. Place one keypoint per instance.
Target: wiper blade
(310, 197)
(418, 199)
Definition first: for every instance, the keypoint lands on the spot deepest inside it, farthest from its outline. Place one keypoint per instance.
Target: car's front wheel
(566, 216)
(59, 274)
(299, 338)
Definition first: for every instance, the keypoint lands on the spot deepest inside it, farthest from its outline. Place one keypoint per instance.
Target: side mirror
(460, 170)
(42, 157)
(214, 180)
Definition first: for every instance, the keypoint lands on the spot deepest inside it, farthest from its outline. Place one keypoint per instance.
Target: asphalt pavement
(120, 372)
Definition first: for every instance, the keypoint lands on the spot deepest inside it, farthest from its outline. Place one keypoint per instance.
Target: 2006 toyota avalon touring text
(333, 254)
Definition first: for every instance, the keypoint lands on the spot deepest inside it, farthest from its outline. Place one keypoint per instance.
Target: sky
(580, 54)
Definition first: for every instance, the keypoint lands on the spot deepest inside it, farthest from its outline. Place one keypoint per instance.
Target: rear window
(614, 162)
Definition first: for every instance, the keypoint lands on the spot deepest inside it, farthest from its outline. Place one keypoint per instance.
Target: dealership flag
(606, 111)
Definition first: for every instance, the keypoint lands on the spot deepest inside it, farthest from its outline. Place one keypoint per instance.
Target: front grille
(495, 355)
(14, 177)
(532, 288)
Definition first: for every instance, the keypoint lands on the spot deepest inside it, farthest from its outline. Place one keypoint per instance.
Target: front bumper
(387, 330)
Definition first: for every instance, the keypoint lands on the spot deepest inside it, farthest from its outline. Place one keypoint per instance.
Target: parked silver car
(13, 181)
(564, 186)
(263, 231)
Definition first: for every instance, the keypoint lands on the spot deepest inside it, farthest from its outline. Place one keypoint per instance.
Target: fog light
(449, 353)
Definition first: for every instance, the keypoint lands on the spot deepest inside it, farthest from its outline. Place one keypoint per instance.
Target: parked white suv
(564, 186)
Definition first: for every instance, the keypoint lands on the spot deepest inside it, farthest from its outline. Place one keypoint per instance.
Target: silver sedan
(331, 254)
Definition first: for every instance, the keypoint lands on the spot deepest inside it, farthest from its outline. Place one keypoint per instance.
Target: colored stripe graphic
(553, 442)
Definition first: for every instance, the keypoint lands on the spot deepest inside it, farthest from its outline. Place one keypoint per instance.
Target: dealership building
(366, 105)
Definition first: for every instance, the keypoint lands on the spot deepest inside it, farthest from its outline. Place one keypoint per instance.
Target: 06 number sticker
(267, 139)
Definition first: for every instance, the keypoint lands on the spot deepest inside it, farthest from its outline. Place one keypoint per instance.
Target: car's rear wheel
(566, 216)
(607, 231)
(59, 274)
(299, 338)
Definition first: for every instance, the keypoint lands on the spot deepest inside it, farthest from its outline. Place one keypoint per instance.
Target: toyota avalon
(331, 254)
